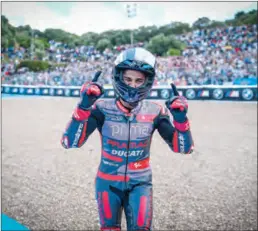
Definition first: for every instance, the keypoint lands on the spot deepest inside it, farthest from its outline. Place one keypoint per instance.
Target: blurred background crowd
(218, 56)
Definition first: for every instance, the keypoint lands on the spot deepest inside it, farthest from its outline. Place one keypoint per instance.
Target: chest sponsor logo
(140, 130)
(109, 163)
(114, 118)
(124, 153)
(118, 144)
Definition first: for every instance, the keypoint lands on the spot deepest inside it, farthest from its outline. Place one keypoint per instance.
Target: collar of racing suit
(127, 111)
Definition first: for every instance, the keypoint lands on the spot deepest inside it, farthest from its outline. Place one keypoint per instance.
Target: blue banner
(206, 92)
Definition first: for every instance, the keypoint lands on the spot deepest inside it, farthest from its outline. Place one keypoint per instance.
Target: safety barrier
(205, 92)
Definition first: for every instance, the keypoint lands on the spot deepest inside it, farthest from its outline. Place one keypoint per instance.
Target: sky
(82, 17)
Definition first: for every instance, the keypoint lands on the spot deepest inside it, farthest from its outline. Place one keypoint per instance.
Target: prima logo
(114, 130)
(135, 130)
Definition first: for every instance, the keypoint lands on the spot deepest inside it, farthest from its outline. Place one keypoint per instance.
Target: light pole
(32, 45)
(131, 13)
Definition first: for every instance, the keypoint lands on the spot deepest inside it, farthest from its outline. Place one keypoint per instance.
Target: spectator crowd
(212, 56)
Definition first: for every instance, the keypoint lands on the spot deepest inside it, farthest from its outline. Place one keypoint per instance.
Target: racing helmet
(137, 59)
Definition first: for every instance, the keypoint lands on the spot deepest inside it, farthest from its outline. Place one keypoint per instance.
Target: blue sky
(82, 17)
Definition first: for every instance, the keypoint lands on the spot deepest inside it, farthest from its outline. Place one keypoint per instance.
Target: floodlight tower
(131, 9)
(32, 45)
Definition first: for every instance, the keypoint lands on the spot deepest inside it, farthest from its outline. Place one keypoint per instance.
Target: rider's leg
(109, 206)
(138, 208)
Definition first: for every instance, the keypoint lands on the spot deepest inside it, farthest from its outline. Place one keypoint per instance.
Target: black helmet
(137, 59)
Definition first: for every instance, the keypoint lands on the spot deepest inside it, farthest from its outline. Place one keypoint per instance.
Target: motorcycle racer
(126, 125)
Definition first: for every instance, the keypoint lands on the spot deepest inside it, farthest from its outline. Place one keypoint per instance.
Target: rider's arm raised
(86, 117)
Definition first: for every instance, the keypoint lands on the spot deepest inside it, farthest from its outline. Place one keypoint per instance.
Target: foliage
(39, 54)
(242, 18)
(160, 44)
(201, 23)
(34, 65)
(174, 52)
(53, 66)
(158, 39)
(103, 44)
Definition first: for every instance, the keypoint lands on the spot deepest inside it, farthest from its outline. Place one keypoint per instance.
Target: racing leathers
(124, 177)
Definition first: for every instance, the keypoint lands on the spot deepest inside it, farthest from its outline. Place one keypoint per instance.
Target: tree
(11, 42)
(39, 44)
(60, 35)
(180, 28)
(158, 44)
(23, 39)
(249, 18)
(174, 43)
(103, 44)
(201, 23)
(39, 54)
(239, 14)
(174, 52)
(90, 38)
(216, 24)
(4, 41)
(158, 39)
(4, 20)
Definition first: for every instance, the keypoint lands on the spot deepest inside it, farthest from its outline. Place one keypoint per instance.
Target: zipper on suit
(128, 147)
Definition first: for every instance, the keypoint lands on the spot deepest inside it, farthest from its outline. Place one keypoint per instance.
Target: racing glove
(178, 107)
(89, 93)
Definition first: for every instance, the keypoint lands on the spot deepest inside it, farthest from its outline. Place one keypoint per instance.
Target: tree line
(160, 40)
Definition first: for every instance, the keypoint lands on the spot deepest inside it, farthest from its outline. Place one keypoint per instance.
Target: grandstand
(223, 55)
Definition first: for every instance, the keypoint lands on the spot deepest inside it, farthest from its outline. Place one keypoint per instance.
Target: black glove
(177, 105)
